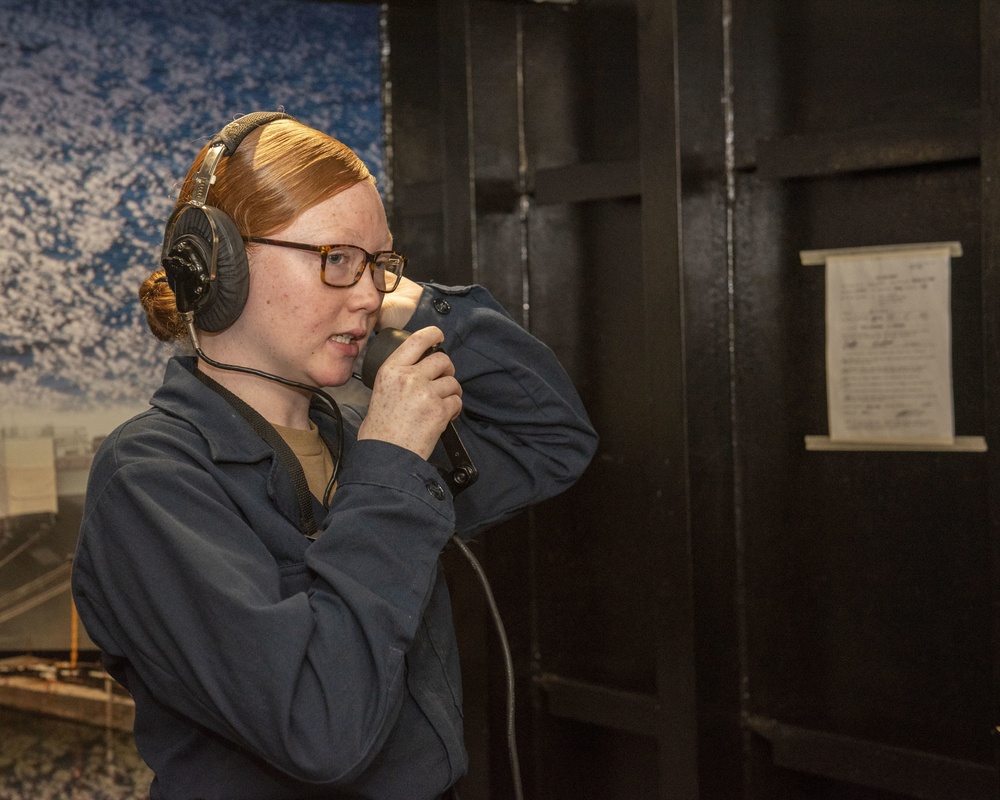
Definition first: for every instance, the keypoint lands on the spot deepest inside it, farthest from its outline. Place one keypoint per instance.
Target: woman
(286, 648)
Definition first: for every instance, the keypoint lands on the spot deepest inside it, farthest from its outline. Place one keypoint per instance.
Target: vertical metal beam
(989, 34)
(664, 339)
(458, 180)
(523, 198)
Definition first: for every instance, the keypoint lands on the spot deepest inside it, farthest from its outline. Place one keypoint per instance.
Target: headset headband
(203, 252)
(225, 144)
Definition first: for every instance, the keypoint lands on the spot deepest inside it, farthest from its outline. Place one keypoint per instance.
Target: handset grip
(463, 472)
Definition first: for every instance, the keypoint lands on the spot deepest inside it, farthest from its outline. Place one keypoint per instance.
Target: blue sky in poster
(103, 106)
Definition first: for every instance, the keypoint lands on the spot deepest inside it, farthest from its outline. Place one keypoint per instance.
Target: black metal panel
(457, 174)
(596, 583)
(575, 580)
(837, 578)
(817, 67)
(857, 62)
(585, 292)
(921, 205)
(856, 566)
(417, 216)
(605, 67)
(990, 217)
(590, 763)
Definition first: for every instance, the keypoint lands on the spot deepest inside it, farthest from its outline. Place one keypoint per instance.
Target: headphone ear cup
(217, 303)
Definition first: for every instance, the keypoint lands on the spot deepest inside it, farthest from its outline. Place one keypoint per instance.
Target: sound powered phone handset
(463, 472)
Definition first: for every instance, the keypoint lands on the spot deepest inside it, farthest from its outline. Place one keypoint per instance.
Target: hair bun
(157, 301)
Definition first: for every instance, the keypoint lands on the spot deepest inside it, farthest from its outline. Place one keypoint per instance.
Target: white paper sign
(888, 347)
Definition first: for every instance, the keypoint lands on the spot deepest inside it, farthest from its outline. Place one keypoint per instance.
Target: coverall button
(436, 490)
(441, 306)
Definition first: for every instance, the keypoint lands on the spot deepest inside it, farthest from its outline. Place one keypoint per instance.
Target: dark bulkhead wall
(714, 611)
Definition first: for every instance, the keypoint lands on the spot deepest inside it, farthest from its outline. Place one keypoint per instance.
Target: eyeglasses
(343, 265)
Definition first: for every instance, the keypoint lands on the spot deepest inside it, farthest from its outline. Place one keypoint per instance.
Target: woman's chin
(333, 377)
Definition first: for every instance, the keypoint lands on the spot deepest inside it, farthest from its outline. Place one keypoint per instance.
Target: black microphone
(463, 472)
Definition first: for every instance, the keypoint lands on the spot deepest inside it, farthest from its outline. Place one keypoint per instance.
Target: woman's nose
(364, 293)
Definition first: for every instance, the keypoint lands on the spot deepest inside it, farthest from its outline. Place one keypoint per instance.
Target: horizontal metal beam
(913, 773)
(576, 183)
(946, 138)
(601, 705)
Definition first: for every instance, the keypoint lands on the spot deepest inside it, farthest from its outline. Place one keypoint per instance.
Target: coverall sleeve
(522, 420)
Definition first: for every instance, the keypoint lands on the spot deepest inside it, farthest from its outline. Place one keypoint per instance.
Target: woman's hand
(413, 398)
(398, 305)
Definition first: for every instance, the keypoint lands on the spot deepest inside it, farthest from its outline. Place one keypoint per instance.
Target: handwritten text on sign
(888, 347)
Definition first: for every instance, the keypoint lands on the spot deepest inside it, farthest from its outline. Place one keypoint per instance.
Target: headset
(203, 255)
(205, 262)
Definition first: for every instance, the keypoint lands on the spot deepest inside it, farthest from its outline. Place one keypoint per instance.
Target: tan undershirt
(313, 455)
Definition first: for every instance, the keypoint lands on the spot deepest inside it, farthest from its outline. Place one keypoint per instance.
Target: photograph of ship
(43, 476)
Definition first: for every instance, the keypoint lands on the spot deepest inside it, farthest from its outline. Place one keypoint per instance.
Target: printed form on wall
(888, 346)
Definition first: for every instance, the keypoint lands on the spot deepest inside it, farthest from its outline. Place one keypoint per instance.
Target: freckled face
(296, 326)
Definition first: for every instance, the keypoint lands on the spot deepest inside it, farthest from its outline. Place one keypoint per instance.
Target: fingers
(417, 345)
(415, 394)
(449, 391)
(432, 379)
(421, 351)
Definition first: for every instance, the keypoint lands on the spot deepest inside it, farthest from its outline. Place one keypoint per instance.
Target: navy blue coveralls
(265, 666)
